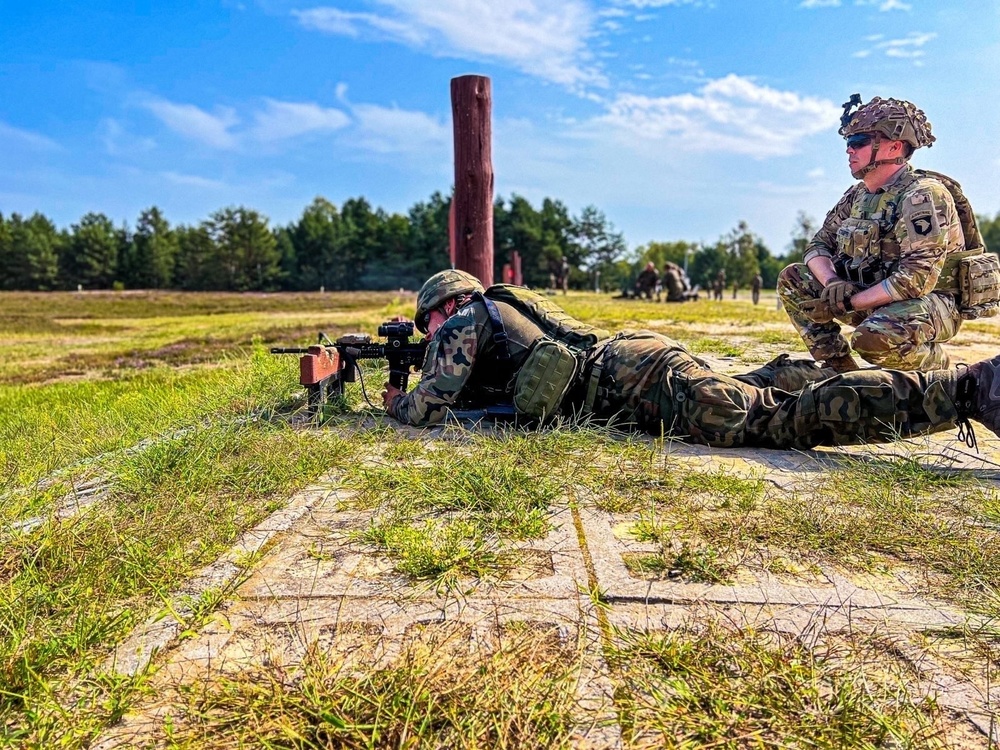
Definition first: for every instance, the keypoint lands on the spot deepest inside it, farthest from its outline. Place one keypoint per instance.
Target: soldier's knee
(792, 280)
(873, 344)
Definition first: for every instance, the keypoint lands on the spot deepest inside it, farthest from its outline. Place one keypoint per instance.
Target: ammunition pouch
(858, 238)
(544, 378)
(867, 273)
(979, 286)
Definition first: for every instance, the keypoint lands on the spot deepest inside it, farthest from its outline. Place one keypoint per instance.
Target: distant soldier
(890, 254)
(675, 282)
(736, 288)
(755, 288)
(646, 282)
(719, 285)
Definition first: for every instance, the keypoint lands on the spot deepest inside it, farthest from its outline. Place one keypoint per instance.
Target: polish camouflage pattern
(919, 228)
(650, 382)
(451, 354)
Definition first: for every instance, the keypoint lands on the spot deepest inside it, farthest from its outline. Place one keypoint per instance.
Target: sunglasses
(859, 140)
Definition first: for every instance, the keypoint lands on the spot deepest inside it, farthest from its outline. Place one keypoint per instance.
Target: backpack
(966, 216)
(555, 360)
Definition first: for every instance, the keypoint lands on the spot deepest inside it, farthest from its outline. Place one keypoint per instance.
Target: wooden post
(471, 103)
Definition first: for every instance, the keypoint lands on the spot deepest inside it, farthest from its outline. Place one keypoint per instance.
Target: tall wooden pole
(471, 104)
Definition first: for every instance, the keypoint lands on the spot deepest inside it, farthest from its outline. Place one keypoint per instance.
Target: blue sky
(677, 118)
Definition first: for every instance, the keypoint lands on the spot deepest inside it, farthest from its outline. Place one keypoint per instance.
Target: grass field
(141, 433)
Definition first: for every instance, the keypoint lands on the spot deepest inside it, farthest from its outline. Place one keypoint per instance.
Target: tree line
(358, 247)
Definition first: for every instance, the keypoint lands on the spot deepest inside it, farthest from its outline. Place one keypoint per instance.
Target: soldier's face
(435, 319)
(859, 151)
(437, 316)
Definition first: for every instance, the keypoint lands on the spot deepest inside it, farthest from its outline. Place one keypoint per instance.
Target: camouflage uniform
(645, 283)
(920, 227)
(675, 282)
(647, 381)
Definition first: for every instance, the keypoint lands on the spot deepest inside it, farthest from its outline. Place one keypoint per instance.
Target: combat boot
(977, 395)
(843, 363)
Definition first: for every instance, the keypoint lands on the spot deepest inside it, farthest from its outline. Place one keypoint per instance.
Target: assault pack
(868, 250)
(556, 359)
(973, 275)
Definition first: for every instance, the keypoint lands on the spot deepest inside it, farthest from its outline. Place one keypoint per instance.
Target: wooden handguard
(318, 364)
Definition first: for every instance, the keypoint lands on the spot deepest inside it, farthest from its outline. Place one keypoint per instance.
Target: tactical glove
(837, 294)
(817, 310)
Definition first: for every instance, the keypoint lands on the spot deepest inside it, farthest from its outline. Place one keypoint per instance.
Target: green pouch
(543, 380)
(979, 286)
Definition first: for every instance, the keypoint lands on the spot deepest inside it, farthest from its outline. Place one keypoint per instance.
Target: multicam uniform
(899, 236)
(647, 381)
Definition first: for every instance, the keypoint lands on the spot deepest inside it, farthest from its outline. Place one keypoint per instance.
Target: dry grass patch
(439, 692)
(724, 687)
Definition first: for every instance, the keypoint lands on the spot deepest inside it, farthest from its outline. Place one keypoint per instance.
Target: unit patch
(922, 223)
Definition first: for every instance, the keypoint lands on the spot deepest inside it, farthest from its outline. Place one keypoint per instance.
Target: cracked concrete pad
(315, 587)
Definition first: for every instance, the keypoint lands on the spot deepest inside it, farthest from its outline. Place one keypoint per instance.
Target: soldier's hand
(817, 310)
(390, 394)
(836, 295)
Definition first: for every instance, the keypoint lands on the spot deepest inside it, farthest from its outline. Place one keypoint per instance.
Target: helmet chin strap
(874, 163)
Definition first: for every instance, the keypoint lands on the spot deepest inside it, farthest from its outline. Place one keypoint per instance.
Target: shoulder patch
(922, 223)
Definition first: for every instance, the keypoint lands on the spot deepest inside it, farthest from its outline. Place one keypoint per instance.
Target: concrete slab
(312, 585)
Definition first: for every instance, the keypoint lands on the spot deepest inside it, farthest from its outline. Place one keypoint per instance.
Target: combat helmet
(440, 288)
(895, 119)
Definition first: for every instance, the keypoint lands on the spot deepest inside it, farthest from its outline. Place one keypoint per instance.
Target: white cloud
(344, 23)
(543, 38)
(909, 47)
(283, 120)
(731, 114)
(886, 5)
(393, 130)
(819, 4)
(191, 180)
(195, 123)
(35, 141)
(664, 3)
(816, 173)
(119, 142)
(894, 5)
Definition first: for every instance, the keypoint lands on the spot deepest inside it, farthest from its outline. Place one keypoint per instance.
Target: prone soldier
(482, 351)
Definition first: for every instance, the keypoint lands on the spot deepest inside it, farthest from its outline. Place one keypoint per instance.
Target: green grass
(73, 589)
(869, 515)
(455, 512)
(518, 694)
(170, 409)
(728, 688)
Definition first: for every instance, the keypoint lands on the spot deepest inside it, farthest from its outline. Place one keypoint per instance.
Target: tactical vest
(869, 252)
(556, 358)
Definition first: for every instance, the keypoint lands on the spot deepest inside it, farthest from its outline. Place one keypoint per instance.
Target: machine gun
(325, 366)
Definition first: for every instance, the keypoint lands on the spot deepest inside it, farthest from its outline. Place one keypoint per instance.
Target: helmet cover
(440, 288)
